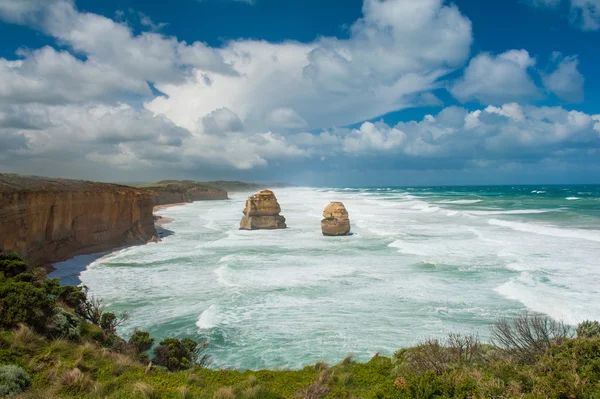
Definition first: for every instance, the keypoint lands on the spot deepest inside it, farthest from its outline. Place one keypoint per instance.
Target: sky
(315, 92)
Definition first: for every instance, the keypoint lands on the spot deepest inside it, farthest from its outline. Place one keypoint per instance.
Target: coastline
(161, 221)
(68, 271)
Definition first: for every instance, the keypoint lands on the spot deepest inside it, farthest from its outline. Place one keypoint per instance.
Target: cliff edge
(168, 192)
(48, 220)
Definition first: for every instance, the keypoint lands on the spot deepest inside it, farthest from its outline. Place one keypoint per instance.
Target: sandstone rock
(169, 192)
(336, 222)
(50, 220)
(154, 240)
(262, 212)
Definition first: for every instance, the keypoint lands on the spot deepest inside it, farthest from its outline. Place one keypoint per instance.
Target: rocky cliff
(175, 192)
(50, 220)
(262, 213)
(336, 221)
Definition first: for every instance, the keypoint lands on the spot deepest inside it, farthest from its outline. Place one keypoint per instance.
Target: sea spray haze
(421, 262)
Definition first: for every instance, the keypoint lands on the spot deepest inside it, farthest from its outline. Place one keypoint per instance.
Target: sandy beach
(162, 221)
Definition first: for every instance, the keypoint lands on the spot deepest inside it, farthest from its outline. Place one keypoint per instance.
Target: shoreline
(68, 271)
(161, 221)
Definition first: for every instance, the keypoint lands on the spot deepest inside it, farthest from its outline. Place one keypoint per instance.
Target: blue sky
(329, 92)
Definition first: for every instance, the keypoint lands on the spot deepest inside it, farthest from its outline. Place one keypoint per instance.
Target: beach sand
(161, 221)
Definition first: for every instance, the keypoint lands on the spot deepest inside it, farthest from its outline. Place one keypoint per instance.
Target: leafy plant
(175, 354)
(24, 303)
(13, 380)
(141, 341)
(11, 265)
(588, 329)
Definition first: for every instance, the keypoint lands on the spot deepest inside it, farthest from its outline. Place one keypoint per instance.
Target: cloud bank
(250, 105)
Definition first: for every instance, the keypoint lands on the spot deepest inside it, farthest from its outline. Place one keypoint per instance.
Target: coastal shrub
(91, 309)
(435, 355)
(24, 303)
(141, 341)
(12, 265)
(13, 380)
(527, 337)
(588, 329)
(110, 321)
(64, 325)
(176, 354)
(71, 296)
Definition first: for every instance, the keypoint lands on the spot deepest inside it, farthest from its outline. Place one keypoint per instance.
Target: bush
(11, 265)
(64, 325)
(13, 380)
(437, 356)
(24, 303)
(588, 329)
(175, 354)
(527, 337)
(72, 296)
(141, 341)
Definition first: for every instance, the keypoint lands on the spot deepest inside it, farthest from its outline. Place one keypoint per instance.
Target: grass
(64, 369)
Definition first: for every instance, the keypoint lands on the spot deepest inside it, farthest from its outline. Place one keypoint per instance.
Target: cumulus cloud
(285, 118)
(565, 81)
(49, 76)
(147, 57)
(584, 14)
(398, 50)
(251, 104)
(494, 134)
(497, 79)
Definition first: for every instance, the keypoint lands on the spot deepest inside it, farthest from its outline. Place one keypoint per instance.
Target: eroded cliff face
(184, 192)
(335, 220)
(262, 213)
(51, 220)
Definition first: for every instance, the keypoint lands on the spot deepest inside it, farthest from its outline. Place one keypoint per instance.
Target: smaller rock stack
(336, 222)
(262, 213)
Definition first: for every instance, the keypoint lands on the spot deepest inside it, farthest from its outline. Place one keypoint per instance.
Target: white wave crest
(589, 235)
(209, 318)
(460, 202)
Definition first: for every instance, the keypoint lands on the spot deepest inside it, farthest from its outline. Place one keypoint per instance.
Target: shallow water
(421, 262)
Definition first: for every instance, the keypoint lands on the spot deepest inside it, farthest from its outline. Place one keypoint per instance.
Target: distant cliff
(173, 192)
(50, 220)
(233, 186)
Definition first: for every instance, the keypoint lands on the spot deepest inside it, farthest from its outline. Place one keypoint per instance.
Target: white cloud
(50, 76)
(497, 79)
(495, 135)
(239, 107)
(565, 81)
(584, 14)
(285, 118)
(597, 124)
(396, 52)
(148, 56)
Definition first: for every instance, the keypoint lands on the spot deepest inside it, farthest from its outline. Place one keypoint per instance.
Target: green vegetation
(64, 346)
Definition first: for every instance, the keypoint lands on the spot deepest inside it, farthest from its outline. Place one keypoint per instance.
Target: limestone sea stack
(262, 213)
(336, 222)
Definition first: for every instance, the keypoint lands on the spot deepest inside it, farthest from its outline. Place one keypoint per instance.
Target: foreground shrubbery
(64, 346)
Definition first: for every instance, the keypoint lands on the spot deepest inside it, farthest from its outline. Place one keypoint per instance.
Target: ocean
(421, 263)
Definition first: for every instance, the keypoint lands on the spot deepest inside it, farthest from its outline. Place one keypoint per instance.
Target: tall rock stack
(336, 222)
(262, 213)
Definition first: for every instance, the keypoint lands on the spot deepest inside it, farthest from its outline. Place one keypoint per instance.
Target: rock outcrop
(174, 192)
(336, 222)
(262, 212)
(50, 220)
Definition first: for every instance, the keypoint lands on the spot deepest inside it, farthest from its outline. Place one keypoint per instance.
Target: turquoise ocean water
(421, 262)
